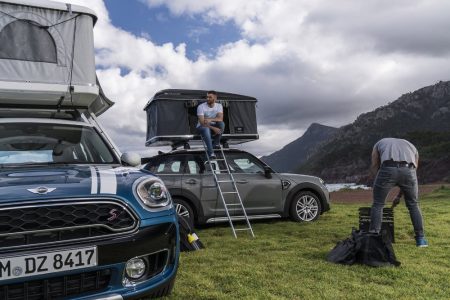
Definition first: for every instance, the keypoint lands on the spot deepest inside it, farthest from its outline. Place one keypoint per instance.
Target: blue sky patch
(160, 26)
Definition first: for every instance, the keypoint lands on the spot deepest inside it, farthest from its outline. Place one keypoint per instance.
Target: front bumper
(158, 243)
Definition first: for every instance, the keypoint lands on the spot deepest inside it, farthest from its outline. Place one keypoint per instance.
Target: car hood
(29, 183)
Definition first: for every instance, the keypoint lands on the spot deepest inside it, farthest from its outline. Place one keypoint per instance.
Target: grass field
(286, 260)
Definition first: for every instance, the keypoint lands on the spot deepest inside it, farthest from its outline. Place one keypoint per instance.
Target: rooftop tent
(172, 117)
(47, 55)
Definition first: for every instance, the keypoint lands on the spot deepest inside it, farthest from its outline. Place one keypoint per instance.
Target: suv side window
(172, 164)
(244, 163)
(194, 165)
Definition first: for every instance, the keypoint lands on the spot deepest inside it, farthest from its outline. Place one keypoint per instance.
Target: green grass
(286, 260)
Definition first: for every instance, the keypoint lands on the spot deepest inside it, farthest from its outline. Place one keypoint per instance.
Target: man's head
(211, 97)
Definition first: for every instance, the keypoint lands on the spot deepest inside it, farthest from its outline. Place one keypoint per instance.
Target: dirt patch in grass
(365, 196)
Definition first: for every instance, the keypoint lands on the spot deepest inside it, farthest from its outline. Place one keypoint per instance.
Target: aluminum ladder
(227, 204)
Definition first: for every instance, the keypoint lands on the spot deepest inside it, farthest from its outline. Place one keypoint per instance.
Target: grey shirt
(396, 150)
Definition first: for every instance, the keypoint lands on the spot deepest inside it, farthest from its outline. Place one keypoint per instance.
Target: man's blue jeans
(208, 137)
(406, 179)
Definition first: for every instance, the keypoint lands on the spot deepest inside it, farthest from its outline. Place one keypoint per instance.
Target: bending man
(396, 161)
(210, 122)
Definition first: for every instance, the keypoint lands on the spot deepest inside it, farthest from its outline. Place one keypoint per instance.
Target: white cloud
(306, 61)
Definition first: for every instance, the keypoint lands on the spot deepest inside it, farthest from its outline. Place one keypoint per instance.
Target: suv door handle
(191, 181)
(242, 181)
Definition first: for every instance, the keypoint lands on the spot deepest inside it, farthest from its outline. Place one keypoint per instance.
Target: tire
(305, 207)
(185, 210)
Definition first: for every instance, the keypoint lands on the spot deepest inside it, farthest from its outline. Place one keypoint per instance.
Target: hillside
(297, 152)
(422, 117)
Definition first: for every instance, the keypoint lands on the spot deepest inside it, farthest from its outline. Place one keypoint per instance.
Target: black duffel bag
(364, 248)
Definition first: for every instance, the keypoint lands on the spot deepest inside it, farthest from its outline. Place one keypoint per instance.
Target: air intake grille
(57, 287)
(28, 225)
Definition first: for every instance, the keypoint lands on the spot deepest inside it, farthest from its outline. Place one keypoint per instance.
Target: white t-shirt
(209, 112)
(396, 150)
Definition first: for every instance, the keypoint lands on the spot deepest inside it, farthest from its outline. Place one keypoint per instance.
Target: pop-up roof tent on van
(47, 56)
(172, 117)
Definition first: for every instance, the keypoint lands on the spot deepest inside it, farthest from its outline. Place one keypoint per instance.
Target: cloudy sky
(306, 61)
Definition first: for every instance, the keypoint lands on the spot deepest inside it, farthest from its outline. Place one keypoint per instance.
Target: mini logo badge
(42, 190)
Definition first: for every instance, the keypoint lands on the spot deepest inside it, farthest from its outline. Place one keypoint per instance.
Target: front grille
(47, 223)
(57, 287)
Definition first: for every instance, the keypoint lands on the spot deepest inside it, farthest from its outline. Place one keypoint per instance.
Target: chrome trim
(241, 218)
(109, 297)
(127, 282)
(58, 202)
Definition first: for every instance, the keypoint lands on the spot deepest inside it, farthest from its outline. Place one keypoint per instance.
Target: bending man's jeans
(406, 179)
(207, 135)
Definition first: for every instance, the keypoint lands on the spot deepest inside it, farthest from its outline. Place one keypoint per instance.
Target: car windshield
(35, 143)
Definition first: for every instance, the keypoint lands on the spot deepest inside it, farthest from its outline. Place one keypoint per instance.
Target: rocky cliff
(422, 117)
(294, 154)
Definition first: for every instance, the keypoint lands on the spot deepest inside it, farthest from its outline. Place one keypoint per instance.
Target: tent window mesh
(25, 40)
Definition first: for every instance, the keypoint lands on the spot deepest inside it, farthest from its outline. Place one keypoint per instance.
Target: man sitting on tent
(210, 122)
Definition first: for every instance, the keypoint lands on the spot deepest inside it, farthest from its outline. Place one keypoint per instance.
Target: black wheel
(185, 210)
(305, 207)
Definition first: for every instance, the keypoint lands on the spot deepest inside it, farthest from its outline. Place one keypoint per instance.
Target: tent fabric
(242, 117)
(47, 54)
(63, 29)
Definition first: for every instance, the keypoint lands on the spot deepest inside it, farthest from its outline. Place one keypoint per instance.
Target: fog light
(135, 268)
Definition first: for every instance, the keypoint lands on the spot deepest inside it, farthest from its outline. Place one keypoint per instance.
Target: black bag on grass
(365, 248)
(189, 241)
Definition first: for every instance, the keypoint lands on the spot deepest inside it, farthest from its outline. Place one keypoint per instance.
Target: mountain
(422, 117)
(296, 153)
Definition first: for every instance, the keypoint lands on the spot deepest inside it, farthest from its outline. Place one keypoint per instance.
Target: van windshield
(34, 143)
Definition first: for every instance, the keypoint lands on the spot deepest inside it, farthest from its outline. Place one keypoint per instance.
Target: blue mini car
(74, 222)
(77, 219)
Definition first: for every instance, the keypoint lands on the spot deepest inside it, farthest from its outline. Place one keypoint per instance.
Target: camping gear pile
(368, 248)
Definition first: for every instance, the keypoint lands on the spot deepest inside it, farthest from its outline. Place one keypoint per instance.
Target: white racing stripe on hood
(108, 182)
(94, 181)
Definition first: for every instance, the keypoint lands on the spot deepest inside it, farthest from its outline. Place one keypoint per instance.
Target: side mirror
(131, 159)
(268, 172)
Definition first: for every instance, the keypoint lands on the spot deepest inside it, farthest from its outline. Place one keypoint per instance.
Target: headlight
(153, 193)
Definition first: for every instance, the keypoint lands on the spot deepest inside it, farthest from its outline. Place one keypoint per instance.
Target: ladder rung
(217, 159)
(223, 170)
(242, 229)
(229, 192)
(220, 181)
(233, 204)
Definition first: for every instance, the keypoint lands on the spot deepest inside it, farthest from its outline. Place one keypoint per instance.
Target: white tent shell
(47, 55)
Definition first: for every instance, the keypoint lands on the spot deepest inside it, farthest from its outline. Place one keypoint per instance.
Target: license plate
(48, 262)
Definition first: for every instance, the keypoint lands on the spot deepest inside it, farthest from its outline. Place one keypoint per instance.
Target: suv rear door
(260, 194)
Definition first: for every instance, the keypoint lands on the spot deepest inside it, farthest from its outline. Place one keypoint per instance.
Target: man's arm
(417, 160)
(218, 118)
(375, 162)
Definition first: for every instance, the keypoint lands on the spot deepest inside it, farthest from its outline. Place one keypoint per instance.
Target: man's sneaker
(421, 242)
(212, 156)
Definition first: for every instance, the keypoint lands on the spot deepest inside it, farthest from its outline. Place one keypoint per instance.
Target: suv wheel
(305, 207)
(184, 209)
